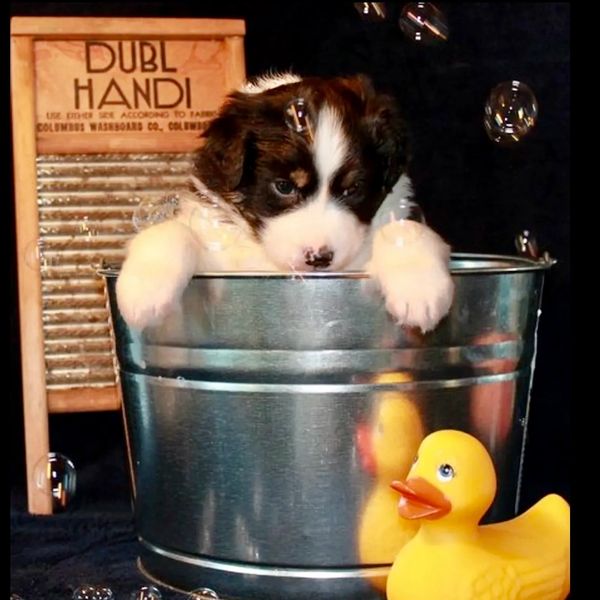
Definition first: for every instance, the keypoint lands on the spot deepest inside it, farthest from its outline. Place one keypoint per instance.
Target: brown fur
(248, 146)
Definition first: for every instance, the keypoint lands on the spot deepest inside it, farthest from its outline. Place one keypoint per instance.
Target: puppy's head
(308, 199)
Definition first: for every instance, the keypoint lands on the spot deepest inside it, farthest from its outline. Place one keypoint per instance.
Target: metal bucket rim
(479, 264)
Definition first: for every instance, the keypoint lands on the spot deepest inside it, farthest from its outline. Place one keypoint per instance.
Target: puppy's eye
(350, 190)
(284, 187)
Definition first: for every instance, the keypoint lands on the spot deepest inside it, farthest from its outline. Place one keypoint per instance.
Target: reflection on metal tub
(266, 415)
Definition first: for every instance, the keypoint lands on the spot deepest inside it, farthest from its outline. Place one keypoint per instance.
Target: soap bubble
(93, 592)
(510, 112)
(371, 11)
(32, 253)
(57, 474)
(203, 594)
(297, 117)
(409, 210)
(399, 231)
(423, 22)
(146, 592)
(151, 211)
(211, 218)
(214, 230)
(38, 255)
(527, 245)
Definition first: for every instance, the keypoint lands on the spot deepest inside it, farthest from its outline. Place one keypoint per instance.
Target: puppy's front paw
(418, 299)
(146, 296)
(410, 263)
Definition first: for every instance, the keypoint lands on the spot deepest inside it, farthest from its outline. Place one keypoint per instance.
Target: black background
(474, 193)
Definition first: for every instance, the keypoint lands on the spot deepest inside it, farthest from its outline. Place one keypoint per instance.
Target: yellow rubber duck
(452, 557)
(387, 446)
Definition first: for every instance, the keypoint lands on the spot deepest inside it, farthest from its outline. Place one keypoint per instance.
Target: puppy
(288, 200)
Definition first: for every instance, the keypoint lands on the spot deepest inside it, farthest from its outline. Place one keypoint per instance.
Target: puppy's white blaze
(330, 147)
(321, 221)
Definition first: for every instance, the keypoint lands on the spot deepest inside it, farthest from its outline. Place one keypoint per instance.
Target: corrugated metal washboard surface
(86, 204)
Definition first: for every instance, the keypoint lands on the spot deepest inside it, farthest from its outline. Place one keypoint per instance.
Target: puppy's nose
(320, 259)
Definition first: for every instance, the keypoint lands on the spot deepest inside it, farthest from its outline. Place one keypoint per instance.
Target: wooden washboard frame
(38, 39)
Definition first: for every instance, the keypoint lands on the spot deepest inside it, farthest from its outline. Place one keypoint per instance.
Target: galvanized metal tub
(243, 411)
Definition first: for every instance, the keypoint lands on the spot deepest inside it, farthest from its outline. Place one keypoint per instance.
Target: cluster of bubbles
(145, 592)
(216, 231)
(420, 21)
(93, 592)
(511, 109)
(56, 474)
(151, 211)
(371, 11)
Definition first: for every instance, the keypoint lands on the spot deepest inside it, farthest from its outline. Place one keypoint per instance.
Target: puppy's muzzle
(320, 259)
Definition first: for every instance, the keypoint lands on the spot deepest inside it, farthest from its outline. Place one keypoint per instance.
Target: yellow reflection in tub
(387, 446)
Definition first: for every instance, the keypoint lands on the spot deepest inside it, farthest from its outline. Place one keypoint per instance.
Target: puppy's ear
(361, 85)
(220, 161)
(388, 131)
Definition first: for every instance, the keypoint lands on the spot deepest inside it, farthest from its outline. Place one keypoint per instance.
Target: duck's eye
(445, 472)
(416, 458)
(284, 187)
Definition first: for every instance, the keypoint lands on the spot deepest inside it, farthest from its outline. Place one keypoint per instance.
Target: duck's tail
(559, 513)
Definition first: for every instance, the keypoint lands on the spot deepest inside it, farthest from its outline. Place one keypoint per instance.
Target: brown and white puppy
(290, 201)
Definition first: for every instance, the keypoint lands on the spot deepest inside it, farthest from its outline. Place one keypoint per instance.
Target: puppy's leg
(160, 263)
(410, 263)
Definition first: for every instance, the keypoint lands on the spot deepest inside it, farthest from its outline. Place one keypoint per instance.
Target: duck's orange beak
(420, 499)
